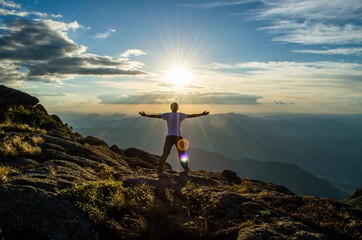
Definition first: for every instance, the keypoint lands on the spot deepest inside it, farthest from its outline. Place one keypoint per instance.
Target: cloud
(312, 22)
(9, 4)
(7, 12)
(37, 40)
(310, 10)
(305, 22)
(105, 34)
(217, 4)
(45, 15)
(86, 64)
(281, 102)
(295, 70)
(40, 50)
(336, 51)
(184, 98)
(48, 94)
(316, 33)
(134, 52)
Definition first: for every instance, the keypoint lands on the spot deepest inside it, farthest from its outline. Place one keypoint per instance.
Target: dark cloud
(82, 65)
(185, 98)
(281, 102)
(27, 40)
(40, 50)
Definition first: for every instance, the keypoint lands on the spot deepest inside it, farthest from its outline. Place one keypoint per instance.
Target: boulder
(41, 108)
(231, 176)
(5, 118)
(93, 141)
(13, 97)
(116, 149)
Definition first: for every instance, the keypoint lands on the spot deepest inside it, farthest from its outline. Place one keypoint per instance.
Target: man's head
(174, 107)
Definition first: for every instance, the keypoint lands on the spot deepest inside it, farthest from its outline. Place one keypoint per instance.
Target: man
(174, 135)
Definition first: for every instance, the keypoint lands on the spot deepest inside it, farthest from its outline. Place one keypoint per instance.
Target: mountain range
(327, 146)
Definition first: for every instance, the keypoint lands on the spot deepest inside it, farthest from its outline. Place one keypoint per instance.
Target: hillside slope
(56, 184)
(289, 175)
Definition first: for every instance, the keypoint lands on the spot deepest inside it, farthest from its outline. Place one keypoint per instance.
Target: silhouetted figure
(174, 135)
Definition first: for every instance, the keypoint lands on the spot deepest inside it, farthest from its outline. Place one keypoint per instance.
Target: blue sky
(237, 55)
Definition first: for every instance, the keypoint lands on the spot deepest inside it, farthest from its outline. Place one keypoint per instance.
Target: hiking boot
(186, 170)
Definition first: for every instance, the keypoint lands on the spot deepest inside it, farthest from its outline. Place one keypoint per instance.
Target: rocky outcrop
(355, 199)
(56, 184)
(11, 97)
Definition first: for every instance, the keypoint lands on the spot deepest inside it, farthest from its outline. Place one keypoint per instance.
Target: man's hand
(204, 113)
(143, 114)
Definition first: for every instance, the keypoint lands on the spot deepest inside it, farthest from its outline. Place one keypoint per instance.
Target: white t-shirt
(174, 120)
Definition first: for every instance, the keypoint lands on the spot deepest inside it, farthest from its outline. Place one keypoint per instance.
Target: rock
(4, 117)
(41, 108)
(280, 229)
(56, 118)
(93, 141)
(116, 149)
(28, 213)
(231, 176)
(140, 158)
(49, 126)
(73, 190)
(355, 199)
(13, 97)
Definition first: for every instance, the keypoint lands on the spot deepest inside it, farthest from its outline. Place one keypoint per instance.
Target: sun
(179, 76)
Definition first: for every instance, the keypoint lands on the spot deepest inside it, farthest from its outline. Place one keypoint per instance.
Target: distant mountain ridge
(289, 175)
(328, 146)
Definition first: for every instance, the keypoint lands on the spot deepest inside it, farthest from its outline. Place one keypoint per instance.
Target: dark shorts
(169, 142)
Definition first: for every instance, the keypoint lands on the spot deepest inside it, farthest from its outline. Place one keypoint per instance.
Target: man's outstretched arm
(204, 113)
(143, 114)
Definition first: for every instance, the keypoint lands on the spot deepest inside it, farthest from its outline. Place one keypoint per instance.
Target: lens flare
(184, 158)
(183, 144)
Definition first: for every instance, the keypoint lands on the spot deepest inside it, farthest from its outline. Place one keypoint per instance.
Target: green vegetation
(37, 119)
(140, 212)
(200, 207)
(15, 145)
(109, 199)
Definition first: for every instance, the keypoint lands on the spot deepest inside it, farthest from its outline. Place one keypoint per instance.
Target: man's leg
(184, 160)
(166, 151)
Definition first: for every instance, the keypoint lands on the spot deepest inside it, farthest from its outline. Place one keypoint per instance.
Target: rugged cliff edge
(56, 184)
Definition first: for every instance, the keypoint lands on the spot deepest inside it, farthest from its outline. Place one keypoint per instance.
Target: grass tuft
(15, 145)
(20, 127)
(5, 171)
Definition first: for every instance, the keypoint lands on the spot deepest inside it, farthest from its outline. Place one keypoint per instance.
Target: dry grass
(15, 145)
(11, 127)
(5, 171)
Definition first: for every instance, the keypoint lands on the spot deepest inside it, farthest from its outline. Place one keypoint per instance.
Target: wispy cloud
(9, 4)
(184, 98)
(12, 12)
(312, 22)
(105, 34)
(336, 51)
(309, 33)
(134, 52)
(297, 70)
(306, 22)
(216, 4)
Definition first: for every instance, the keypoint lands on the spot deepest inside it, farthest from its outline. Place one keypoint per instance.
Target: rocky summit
(57, 184)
